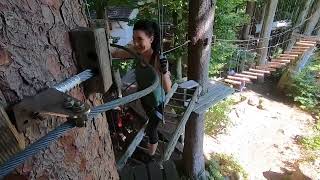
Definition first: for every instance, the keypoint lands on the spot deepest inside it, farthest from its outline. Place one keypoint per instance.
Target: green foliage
(229, 19)
(312, 142)
(222, 165)
(305, 88)
(217, 119)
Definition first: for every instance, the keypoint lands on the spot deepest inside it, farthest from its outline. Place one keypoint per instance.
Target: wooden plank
(259, 71)
(305, 44)
(189, 84)
(91, 51)
(276, 63)
(247, 80)
(155, 172)
(294, 52)
(266, 68)
(170, 171)
(140, 172)
(246, 76)
(308, 41)
(11, 142)
(214, 95)
(300, 48)
(233, 82)
(253, 73)
(286, 57)
(289, 55)
(181, 126)
(281, 61)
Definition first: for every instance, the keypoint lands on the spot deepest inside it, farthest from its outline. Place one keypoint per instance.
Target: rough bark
(301, 20)
(249, 11)
(201, 16)
(271, 6)
(314, 18)
(34, 39)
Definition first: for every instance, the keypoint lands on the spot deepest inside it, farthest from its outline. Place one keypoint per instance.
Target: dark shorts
(155, 117)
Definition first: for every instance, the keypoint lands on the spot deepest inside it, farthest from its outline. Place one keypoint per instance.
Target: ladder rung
(289, 55)
(286, 57)
(281, 61)
(305, 44)
(266, 68)
(259, 71)
(308, 41)
(276, 63)
(234, 82)
(246, 76)
(294, 52)
(253, 73)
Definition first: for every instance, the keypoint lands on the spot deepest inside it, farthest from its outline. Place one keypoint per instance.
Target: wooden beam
(233, 82)
(308, 42)
(259, 71)
(276, 63)
(286, 58)
(281, 61)
(289, 55)
(181, 126)
(305, 44)
(253, 73)
(247, 80)
(246, 76)
(294, 52)
(266, 68)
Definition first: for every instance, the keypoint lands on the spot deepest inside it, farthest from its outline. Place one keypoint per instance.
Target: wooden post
(271, 6)
(201, 16)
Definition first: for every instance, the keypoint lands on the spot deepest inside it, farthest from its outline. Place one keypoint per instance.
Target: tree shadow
(295, 174)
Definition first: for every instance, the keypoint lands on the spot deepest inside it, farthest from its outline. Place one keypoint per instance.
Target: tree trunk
(249, 11)
(301, 20)
(34, 35)
(271, 6)
(201, 16)
(314, 18)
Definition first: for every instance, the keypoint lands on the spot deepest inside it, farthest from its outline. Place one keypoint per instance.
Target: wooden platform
(151, 171)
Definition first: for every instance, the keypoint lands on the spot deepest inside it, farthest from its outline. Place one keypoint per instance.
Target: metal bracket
(50, 102)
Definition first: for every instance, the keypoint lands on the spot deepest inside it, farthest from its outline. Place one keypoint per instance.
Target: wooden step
(286, 57)
(266, 68)
(308, 41)
(247, 80)
(259, 71)
(281, 61)
(246, 76)
(289, 55)
(301, 47)
(305, 44)
(233, 82)
(294, 52)
(252, 73)
(276, 63)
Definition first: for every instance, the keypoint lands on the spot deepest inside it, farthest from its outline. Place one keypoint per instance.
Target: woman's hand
(166, 81)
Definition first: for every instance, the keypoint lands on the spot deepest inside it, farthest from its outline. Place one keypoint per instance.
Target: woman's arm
(166, 81)
(120, 53)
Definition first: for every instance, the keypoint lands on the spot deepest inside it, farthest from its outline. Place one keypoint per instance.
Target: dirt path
(263, 141)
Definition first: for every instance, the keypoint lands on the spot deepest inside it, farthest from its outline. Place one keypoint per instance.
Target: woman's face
(142, 41)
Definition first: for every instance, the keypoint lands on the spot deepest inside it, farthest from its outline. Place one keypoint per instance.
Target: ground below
(263, 140)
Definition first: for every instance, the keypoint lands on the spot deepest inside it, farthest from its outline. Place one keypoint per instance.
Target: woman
(146, 42)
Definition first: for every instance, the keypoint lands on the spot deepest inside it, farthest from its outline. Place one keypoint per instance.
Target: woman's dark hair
(152, 29)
